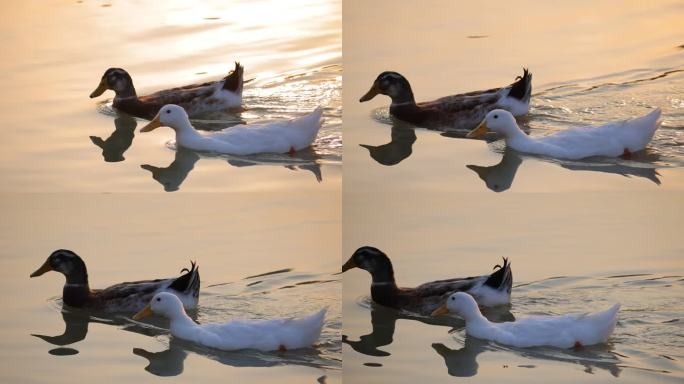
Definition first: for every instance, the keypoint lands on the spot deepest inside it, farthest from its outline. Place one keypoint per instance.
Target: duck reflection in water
(384, 319)
(171, 362)
(174, 175)
(462, 362)
(400, 147)
(500, 177)
(76, 323)
(119, 141)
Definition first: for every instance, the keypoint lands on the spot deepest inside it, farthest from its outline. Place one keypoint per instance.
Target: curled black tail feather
(502, 279)
(522, 88)
(188, 282)
(233, 82)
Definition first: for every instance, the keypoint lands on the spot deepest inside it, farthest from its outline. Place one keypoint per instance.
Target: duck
(457, 112)
(490, 290)
(277, 137)
(123, 297)
(264, 335)
(622, 138)
(197, 99)
(561, 331)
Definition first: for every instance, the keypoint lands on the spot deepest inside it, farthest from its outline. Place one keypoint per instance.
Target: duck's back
(264, 335)
(613, 139)
(277, 137)
(563, 331)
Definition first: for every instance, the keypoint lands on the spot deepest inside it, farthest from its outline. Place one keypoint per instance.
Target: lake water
(580, 235)
(291, 54)
(240, 218)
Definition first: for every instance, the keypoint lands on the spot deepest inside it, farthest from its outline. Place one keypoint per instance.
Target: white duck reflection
(462, 362)
(500, 177)
(171, 361)
(173, 176)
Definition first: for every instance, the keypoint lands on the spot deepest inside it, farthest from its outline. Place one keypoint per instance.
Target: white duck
(276, 137)
(264, 335)
(613, 139)
(563, 331)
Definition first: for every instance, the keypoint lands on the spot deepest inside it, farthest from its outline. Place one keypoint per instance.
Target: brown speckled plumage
(123, 297)
(426, 297)
(461, 112)
(196, 99)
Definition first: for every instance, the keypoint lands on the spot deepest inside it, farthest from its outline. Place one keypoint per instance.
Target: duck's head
(116, 79)
(391, 84)
(497, 120)
(170, 115)
(460, 304)
(163, 304)
(67, 263)
(370, 259)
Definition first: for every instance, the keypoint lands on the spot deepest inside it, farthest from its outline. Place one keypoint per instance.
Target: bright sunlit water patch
(292, 58)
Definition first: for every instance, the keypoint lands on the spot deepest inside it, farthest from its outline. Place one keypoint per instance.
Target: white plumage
(263, 335)
(612, 139)
(563, 331)
(276, 137)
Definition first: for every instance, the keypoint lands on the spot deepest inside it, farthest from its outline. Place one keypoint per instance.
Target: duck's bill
(348, 265)
(43, 268)
(100, 89)
(147, 311)
(442, 310)
(479, 131)
(152, 125)
(371, 93)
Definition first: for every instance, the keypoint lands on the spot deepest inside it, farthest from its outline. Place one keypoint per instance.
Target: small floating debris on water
(200, 73)
(105, 5)
(477, 36)
(212, 18)
(372, 364)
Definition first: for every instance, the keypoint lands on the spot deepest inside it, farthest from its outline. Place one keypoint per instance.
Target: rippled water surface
(79, 176)
(273, 260)
(58, 139)
(581, 235)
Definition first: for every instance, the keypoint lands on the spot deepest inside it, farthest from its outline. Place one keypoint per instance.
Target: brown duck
(123, 297)
(196, 99)
(488, 290)
(460, 112)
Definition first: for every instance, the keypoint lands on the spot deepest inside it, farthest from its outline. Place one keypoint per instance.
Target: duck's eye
(496, 116)
(158, 298)
(453, 298)
(168, 111)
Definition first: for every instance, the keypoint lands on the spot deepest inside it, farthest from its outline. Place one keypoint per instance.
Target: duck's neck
(185, 131)
(403, 98)
(126, 93)
(517, 139)
(182, 325)
(475, 322)
(383, 285)
(76, 291)
(78, 276)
